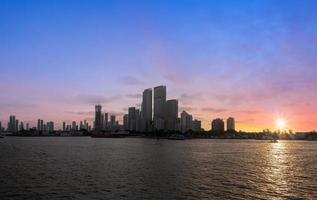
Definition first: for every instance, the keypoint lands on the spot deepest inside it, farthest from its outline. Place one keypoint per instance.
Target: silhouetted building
(41, 125)
(146, 110)
(132, 119)
(171, 114)
(11, 124)
(137, 120)
(98, 126)
(196, 126)
(74, 126)
(218, 125)
(186, 121)
(113, 121)
(159, 107)
(64, 126)
(106, 123)
(125, 122)
(230, 124)
(21, 126)
(27, 126)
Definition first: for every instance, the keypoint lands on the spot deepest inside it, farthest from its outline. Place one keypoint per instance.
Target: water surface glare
(136, 168)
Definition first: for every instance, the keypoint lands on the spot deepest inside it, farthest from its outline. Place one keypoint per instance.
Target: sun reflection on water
(276, 170)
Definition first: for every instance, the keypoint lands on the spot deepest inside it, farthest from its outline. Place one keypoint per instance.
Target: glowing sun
(280, 123)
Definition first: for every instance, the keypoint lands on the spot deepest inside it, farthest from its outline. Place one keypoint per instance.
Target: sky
(253, 60)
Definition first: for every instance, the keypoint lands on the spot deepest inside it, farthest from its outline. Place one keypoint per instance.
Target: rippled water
(134, 168)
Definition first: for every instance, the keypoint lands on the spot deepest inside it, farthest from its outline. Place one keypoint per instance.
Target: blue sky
(254, 60)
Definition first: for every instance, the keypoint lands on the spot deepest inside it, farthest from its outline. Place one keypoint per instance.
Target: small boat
(1, 136)
(176, 137)
(273, 141)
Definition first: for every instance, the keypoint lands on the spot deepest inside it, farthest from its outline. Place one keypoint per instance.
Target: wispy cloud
(134, 96)
(213, 110)
(130, 80)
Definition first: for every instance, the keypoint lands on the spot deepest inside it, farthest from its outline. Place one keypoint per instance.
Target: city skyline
(253, 60)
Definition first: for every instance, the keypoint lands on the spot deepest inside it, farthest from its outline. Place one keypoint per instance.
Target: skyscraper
(11, 124)
(159, 107)
(113, 122)
(131, 119)
(146, 109)
(39, 125)
(106, 121)
(218, 125)
(186, 121)
(98, 118)
(171, 114)
(230, 124)
(64, 126)
(125, 122)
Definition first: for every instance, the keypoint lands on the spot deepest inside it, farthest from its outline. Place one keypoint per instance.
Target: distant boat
(273, 141)
(1, 136)
(176, 137)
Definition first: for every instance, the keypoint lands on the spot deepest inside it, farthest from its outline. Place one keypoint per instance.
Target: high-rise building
(42, 125)
(171, 114)
(146, 110)
(137, 120)
(27, 126)
(106, 123)
(21, 126)
(159, 107)
(64, 126)
(16, 126)
(113, 121)
(196, 126)
(98, 126)
(230, 124)
(39, 125)
(50, 126)
(218, 125)
(132, 119)
(11, 124)
(186, 121)
(74, 126)
(126, 122)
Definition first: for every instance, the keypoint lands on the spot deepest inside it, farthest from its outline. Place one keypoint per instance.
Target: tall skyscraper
(113, 122)
(132, 119)
(230, 124)
(218, 125)
(106, 123)
(42, 125)
(27, 126)
(64, 126)
(159, 107)
(39, 125)
(126, 122)
(171, 114)
(186, 121)
(98, 126)
(21, 126)
(146, 110)
(11, 124)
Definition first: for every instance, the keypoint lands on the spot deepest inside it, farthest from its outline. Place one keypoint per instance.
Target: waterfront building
(146, 110)
(126, 122)
(218, 125)
(171, 114)
(230, 124)
(159, 107)
(132, 118)
(196, 126)
(98, 113)
(186, 121)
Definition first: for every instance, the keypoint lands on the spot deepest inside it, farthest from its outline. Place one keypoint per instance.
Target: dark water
(131, 168)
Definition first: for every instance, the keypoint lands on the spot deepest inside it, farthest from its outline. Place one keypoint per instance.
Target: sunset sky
(253, 60)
